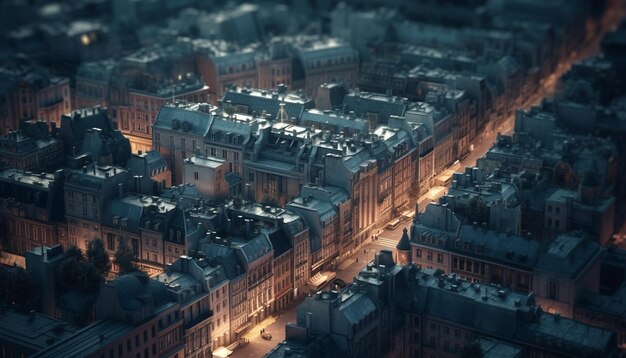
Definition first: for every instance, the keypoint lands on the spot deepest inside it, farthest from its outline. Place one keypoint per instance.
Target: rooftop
(37, 180)
(88, 340)
(35, 331)
(207, 162)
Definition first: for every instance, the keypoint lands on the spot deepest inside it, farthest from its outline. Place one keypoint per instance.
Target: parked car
(339, 283)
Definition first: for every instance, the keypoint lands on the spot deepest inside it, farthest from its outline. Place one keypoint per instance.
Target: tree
(73, 252)
(124, 257)
(18, 289)
(68, 273)
(472, 350)
(76, 273)
(98, 257)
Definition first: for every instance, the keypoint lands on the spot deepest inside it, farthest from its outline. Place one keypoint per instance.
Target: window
(251, 177)
(224, 154)
(440, 258)
(429, 255)
(553, 290)
(195, 176)
(110, 242)
(418, 253)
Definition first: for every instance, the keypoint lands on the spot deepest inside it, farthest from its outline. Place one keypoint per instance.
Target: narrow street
(388, 239)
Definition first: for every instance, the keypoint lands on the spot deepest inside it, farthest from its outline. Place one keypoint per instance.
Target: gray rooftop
(35, 331)
(87, 341)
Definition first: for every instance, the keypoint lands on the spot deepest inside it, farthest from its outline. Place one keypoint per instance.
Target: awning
(222, 352)
(243, 328)
(320, 279)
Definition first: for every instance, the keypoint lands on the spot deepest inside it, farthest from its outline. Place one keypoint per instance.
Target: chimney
(120, 190)
(248, 227)
(138, 183)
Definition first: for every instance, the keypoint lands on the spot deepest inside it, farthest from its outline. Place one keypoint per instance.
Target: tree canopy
(85, 274)
(124, 257)
(18, 289)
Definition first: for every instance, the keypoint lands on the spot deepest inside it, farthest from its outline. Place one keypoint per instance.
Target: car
(339, 283)
(266, 336)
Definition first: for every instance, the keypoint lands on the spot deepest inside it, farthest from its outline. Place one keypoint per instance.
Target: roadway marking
(385, 242)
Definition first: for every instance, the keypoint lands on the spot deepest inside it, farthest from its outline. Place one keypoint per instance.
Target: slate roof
(254, 248)
(73, 127)
(124, 208)
(505, 315)
(135, 290)
(613, 305)
(568, 254)
(405, 242)
(493, 348)
(32, 331)
(364, 103)
(199, 121)
(259, 101)
(226, 256)
(321, 119)
(499, 247)
(357, 307)
(280, 242)
(87, 341)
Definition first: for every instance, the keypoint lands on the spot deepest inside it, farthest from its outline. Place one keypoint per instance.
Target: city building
(137, 119)
(31, 149)
(277, 165)
(87, 193)
(556, 273)
(318, 60)
(26, 334)
(179, 132)
(30, 92)
(185, 279)
(135, 315)
(248, 261)
(290, 235)
(153, 170)
(376, 108)
(93, 81)
(275, 105)
(423, 312)
(31, 210)
(89, 131)
(327, 212)
(209, 174)
(495, 202)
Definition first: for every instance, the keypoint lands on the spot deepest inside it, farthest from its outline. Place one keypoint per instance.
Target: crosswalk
(389, 243)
